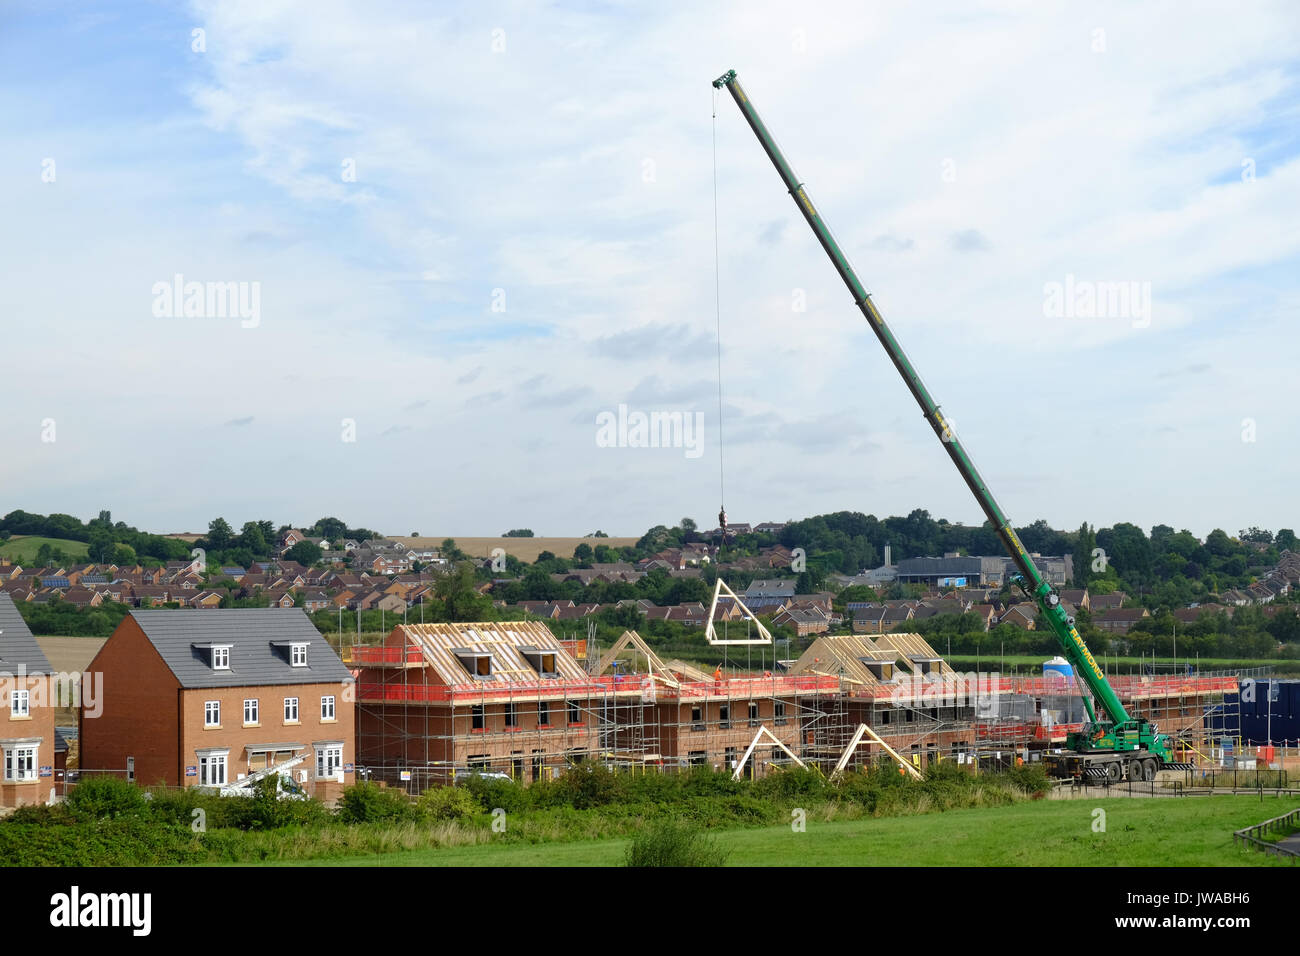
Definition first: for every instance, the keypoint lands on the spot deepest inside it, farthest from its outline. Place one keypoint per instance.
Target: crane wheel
(1135, 771)
(1113, 772)
(1149, 768)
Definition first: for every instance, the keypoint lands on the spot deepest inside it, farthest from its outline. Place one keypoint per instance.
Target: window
(477, 665)
(19, 703)
(298, 655)
(328, 761)
(884, 717)
(221, 658)
(512, 715)
(212, 769)
(212, 713)
(250, 710)
(478, 716)
(542, 661)
(291, 710)
(753, 712)
(20, 763)
(724, 716)
(778, 712)
(697, 718)
(327, 708)
(543, 713)
(575, 715)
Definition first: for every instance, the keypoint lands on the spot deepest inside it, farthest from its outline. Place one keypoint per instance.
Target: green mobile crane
(1111, 742)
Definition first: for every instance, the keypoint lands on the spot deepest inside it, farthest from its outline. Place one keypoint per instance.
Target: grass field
(1191, 831)
(22, 548)
(525, 549)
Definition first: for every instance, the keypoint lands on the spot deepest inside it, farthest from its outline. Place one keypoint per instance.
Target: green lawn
(22, 548)
(1190, 831)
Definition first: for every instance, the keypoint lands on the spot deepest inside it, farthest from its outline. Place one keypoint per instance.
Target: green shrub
(106, 798)
(673, 843)
(368, 802)
(493, 792)
(1030, 778)
(592, 784)
(447, 803)
(796, 782)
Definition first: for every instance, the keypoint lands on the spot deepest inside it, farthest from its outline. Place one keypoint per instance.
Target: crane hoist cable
(717, 303)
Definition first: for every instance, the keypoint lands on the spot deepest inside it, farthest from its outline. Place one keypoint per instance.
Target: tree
(459, 594)
(304, 552)
(518, 533)
(220, 534)
(583, 554)
(1084, 543)
(331, 529)
(251, 537)
(1285, 540)
(449, 550)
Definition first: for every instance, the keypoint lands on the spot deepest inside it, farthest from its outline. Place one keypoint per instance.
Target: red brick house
(208, 699)
(27, 699)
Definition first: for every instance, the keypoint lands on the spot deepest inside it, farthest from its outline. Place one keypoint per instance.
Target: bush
(493, 792)
(1030, 778)
(591, 784)
(370, 803)
(447, 803)
(672, 843)
(795, 782)
(106, 798)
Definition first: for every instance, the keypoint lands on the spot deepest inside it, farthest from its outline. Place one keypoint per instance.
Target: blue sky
(528, 242)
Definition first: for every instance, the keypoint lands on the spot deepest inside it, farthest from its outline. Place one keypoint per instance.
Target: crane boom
(1049, 603)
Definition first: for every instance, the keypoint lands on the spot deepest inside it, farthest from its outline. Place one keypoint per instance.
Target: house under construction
(435, 700)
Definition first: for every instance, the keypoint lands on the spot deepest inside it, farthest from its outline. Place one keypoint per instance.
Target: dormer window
(298, 655)
(542, 661)
(882, 670)
(221, 658)
(477, 663)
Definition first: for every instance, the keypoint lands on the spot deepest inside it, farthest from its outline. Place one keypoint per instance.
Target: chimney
(888, 555)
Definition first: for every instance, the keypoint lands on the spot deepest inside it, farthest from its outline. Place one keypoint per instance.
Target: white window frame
(254, 710)
(291, 707)
(327, 707)
(212, 713)
(20, 703)
(298, 655)
(221, 658)
(329, 761)
(20, 763)
(209, 765)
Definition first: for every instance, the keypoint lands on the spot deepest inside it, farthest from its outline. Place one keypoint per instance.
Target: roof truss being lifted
(711, 635)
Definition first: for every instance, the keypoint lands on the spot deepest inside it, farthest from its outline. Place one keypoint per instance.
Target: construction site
(509, 699)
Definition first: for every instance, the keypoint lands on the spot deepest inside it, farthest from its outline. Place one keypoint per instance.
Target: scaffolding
(627, 708)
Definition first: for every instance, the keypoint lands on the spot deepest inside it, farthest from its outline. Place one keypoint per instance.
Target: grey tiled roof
(250, 632)
(18, 648)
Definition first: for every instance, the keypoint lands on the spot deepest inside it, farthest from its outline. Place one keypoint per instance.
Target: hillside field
(525, 549)
(21, 549)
